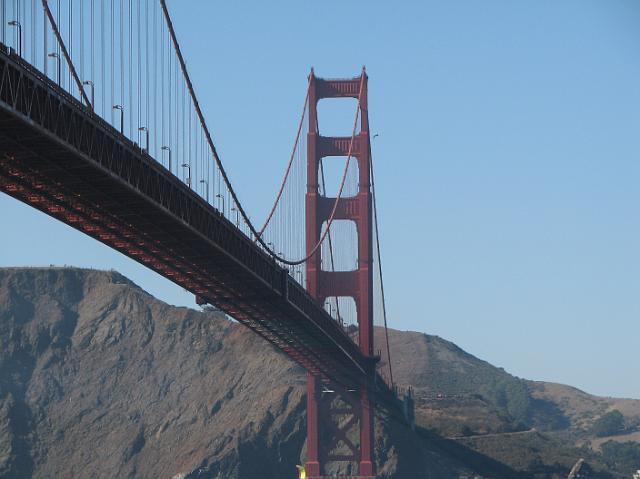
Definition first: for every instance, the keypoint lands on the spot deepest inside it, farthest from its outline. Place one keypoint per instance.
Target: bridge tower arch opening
(339, 418)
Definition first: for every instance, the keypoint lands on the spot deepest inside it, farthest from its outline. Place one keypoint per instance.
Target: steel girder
(59, 157)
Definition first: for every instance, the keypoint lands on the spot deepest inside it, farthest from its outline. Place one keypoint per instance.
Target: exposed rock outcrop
(99, 379)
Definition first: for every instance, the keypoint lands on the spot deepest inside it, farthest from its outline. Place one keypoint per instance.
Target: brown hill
(532, 426)
(98, 379)
(582, 409)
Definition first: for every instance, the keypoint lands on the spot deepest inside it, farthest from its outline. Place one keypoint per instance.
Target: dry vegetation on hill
(99, 379)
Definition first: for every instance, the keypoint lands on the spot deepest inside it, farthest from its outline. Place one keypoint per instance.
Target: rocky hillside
(99, 380)
(442, 373)
(537, 428)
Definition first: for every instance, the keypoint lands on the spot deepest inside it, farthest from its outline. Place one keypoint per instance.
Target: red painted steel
(357, 284)
(59, 157)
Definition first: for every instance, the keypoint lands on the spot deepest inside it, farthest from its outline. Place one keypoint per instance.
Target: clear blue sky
(508, 164)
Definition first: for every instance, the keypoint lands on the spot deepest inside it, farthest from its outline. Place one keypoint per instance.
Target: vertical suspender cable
(71, 39)
(58, 47)
(113, 63)
(34, 49)
(155, 76)
(169, 102)
(65, 52)
(45, 34)
(130, 71)
(138, 49)
(70, 31)
(146, 62)
(122, 53)
(162, 94)
(176, 124)
(92, 54)
(82, 75)
(103, 60)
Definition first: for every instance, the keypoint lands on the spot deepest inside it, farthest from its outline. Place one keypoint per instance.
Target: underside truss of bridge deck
(59, 157)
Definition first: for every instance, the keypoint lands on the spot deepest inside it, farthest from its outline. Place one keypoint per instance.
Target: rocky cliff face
(538, 429)
(99, 379)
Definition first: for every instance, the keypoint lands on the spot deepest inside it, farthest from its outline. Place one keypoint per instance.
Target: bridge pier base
(312, 465)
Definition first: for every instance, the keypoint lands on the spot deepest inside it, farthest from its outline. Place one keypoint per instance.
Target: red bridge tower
(335, 416)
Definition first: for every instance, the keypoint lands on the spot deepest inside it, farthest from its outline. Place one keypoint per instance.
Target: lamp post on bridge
(166, 148)
(188, 167)
(16, 23)
(146, 130)
(93, 92)
(233, 208)
(221, 198)
(206, 183)
(57, 57)
(288, 267)
(121, 108)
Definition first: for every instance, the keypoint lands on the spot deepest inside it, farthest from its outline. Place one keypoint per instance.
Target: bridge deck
(59, 157)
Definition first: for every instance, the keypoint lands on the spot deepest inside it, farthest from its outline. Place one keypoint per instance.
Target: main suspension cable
(340, 190)
(286, 174)
(221, 168)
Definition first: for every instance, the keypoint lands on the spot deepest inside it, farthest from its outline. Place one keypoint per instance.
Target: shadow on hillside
(547, 416)
(480, 463)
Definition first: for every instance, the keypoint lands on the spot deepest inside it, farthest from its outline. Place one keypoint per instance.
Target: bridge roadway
(59, 157)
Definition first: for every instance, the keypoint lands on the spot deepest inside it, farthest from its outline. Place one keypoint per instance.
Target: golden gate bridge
(101, 128)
